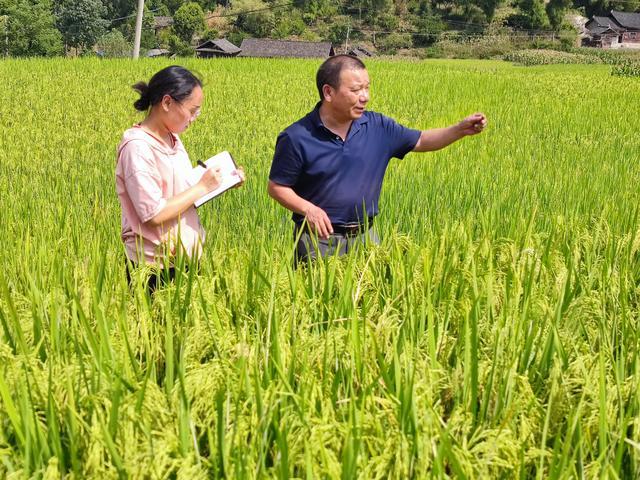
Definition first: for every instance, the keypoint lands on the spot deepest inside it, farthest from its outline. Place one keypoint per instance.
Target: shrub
(435, 51)
(627, 68)
(310, 36)
(338, 29)
(237, 36)
(289, 23)
(390, 44)
(258, 24)
(482, 47)
(113, 44)
(609, 57)
(549, 57)
(387, 21)
(209, 34)
(427, 30)
(179, 47)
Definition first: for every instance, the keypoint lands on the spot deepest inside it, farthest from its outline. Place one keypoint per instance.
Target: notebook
(229, 177)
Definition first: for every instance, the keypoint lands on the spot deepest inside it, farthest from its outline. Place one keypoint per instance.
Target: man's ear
(327, 92)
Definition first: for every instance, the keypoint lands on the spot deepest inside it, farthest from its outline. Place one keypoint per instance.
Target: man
(328, 167)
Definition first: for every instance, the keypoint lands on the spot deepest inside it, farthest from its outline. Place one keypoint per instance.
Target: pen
(201, 163)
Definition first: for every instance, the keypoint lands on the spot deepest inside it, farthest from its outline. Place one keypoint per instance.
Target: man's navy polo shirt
(342, 178)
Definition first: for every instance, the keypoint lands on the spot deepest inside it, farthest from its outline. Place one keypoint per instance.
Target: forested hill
(48, 27)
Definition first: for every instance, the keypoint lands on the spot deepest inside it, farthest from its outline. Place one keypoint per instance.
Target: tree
(289, 23)
(119, 8)
(258, 24)
(210, 4)
(340, 26)
(113, 44)
(387, 22)
(81, 22)
(173, 5)
(556, 10)
(188, 19)
(472, 13)
(374, 8)
(428, 30)
(314, 9)
(488, 7)
(29, 28)
(534, 14)
(157, 7)
(603, 7)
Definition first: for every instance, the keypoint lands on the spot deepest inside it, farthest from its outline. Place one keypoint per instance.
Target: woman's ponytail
(144, 102)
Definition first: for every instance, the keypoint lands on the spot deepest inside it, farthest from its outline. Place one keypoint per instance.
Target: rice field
(493, 334)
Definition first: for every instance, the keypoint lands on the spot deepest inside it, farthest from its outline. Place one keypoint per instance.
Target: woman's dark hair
(329, 71)
(175, 81)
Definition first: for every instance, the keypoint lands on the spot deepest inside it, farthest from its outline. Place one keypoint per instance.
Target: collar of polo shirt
(317, 121)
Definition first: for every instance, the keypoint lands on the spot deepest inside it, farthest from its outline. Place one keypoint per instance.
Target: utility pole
(346, 42)
(136, 41)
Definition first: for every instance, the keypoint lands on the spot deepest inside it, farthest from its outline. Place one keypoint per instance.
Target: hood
(137, 133)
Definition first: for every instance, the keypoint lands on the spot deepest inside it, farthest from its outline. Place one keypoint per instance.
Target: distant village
(616, 30)
(264, 48)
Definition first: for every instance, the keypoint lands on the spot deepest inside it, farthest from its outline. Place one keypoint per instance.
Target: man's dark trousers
(310, 246)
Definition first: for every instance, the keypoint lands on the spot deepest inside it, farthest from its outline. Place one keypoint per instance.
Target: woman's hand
(211, 179)
(240, 173)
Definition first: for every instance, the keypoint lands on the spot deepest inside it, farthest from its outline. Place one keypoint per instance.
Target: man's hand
(318, 221)
(437, 138)
(473, 124)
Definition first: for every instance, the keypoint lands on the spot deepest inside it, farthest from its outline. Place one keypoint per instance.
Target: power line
(521, 32)
(131, 16)
(243, 12)
(75, 27)
(460, 36)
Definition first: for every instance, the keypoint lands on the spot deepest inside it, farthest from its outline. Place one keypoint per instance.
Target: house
(161, 23)
(158, 52)
(617, 30)
(220, 47)
(359, 52)
(261, 47)
(602, 32)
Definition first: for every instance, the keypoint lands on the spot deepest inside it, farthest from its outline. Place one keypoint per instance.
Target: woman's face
(179, 114)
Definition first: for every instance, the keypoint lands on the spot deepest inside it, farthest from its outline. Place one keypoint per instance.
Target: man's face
(352, 95)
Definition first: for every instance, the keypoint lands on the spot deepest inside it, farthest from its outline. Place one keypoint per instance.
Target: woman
(159, 221)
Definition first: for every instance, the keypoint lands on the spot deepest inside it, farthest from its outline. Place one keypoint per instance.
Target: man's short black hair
(329, 71)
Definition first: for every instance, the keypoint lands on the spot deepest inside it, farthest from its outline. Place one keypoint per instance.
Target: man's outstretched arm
(438, 138)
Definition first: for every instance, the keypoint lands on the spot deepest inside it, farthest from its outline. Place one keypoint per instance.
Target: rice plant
(492, 334)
